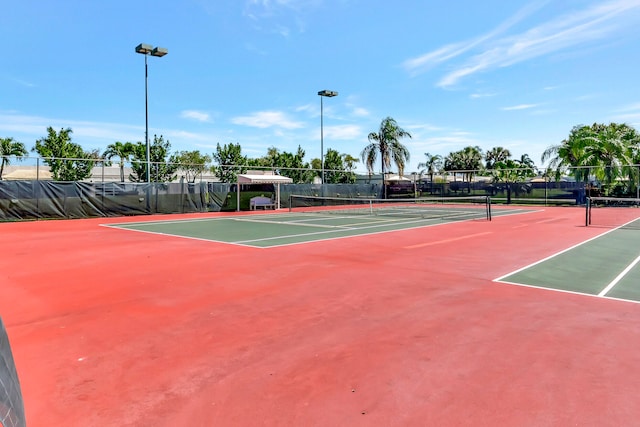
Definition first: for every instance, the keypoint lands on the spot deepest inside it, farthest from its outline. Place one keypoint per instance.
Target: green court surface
(606, 266)
(278, 229)
(286, 228)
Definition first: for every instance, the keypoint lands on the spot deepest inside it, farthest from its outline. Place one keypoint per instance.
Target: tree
(229, 159)
(9, 147)
(453, 163)
(67, 160)
(192, 163)
(432, 165)
(525, 160)
(467, 161)
(609, 153)
(386, 143)
(605, 152)
(121, 150)
(349, 162)
(163, 168)
(511, 173)
(338, 168)
(569, 154)
(495, 155)
(291, 165)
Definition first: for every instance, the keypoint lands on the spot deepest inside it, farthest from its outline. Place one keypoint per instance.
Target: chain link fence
(28, 189)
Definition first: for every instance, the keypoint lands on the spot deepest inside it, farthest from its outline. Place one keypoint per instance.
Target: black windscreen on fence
(11, 404)
(33, 199)
(20, 200)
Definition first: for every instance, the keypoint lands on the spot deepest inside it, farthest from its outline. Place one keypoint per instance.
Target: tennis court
(321, 218)
(159, 323)
(606, 266)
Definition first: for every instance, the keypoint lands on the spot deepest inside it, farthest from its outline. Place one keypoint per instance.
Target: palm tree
(386, 142)
(121, 150)
(525, 160)
(453, 163)
(604, 152)
(569, 154)
(9, 147)
(432, 165)
(495, 155)
(467, 161)
(608, 152)
(471, 158)
(512, 173)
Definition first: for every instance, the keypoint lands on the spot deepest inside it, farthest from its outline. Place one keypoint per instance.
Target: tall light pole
(146, 49)
(328, 94)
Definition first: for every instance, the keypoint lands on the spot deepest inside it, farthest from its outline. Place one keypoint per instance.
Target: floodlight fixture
(159, 51)
(328, 94)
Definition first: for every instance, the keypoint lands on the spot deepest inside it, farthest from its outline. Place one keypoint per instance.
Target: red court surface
(112, 327)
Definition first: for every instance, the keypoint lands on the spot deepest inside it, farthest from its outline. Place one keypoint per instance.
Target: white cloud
(24, 83)
(633, 107)
(267, 119)
(441, 144)
(479, 95)
(307, 107)
(346, 132)
(423, 127)
(608, 19)
(27, 129)
(360, 112)
(519, 107)
(199, 116)
(629, 114)
(278, 16)
(424, 62)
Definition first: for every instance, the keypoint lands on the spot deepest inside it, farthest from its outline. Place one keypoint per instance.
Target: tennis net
(449, 208)
(613, 212)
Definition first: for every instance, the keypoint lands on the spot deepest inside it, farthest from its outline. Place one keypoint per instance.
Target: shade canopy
(266, 178)
(263, 179)
(395, 177)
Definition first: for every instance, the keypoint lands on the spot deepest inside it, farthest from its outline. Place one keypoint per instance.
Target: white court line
(619, 277)
(266, 239)
(601, 295)
(179, 236)
(566, 291)
(302, 222)
(378, 222)
(298, 223)
(499, 279)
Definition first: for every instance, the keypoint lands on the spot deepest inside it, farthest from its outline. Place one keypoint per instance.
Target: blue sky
(517, 74)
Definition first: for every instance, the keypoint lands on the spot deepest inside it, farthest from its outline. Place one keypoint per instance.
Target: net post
(587, 215)
(488, 203)
(290, 202)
